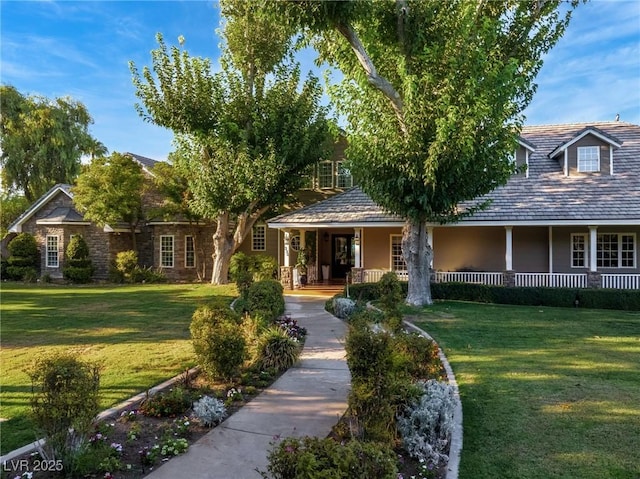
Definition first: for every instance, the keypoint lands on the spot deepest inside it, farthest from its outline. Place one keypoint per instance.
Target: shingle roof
(62, 215)
(547, 196)
(15, 227)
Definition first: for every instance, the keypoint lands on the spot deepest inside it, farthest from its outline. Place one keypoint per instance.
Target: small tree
(23, 257)
(64, 403)
(78, 267)
(110, 190)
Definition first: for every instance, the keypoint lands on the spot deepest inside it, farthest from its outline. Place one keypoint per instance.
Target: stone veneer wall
(203, 239)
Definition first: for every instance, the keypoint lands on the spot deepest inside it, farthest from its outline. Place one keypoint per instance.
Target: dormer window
(588, 159)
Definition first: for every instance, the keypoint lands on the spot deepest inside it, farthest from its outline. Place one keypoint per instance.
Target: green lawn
(546, 392)
(139, 334)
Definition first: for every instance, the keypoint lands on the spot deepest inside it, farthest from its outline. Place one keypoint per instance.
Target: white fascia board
(399, 224)
(589, 131)
(160, 223)
(17, 226)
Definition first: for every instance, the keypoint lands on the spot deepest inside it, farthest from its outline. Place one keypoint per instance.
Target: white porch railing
(621, 281)
(551, 280)
(493, 279)
(530, 280)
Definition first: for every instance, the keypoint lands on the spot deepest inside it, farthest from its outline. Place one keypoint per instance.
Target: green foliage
(110, 190)
(417, 356)
(277, 350)
(378, 389)
(23, 258)
(12, 207)
(244, 134)
(241, 272)
(389, 292)
(64, 402)
(558, 297)
(266, 297)
(42, 141)
(316, 458)
(125, 264)
(218, 341)
(78, 267)
(167, 404)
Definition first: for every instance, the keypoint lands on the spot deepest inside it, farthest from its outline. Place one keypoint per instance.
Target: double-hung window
(397, 260)
(588, 159)
(325, 174)
(189, 252)
(343, 178)
(166, 251)
(53, 260)
(616, 250)
(579, 253)
(259, 238)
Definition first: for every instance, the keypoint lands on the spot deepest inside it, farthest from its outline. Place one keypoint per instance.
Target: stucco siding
(377, 247)
(472, 249)
(530, 249)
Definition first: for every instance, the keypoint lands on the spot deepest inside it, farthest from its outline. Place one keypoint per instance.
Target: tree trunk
(222, 250)
(417, 254)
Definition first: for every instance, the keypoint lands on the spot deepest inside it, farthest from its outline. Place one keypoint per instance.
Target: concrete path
(307, 400)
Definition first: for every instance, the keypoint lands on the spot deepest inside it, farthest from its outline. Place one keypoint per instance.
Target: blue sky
(82, 49)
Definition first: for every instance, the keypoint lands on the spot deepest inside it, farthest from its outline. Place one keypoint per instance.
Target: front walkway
(307, 400)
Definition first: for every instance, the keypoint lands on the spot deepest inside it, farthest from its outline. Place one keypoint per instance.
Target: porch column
(303, 240)
(508, 255)
(550, 249)
(430, 243)
(593, 248)
(594, 277)
(286, 271)
(287, 247)
(357, 247)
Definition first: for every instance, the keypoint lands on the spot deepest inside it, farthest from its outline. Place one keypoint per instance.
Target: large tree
(434, 93)
(42, 141)
(244, 135)
(110, 190)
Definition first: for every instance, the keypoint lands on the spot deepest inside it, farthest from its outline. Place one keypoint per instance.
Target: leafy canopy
(42, 141)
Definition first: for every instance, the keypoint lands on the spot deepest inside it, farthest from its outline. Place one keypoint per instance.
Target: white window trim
(332, 175)
(585, 148)
(391, 237)
(57, 252)
(173, 251)
(193, 242)
(339, 165)
(586, 250)
(264, 237)
(635, 249)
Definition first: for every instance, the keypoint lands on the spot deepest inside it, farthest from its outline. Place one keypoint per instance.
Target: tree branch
(375, 80)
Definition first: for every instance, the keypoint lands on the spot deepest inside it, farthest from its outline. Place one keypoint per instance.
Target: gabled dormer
(521, 156)
(589, 151)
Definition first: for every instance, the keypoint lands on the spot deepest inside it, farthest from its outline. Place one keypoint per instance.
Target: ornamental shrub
(218, 341)
(267, 298)
(78, 267)
(417, 356)
(240, 270)
(426, 424)
(315, 458)
(171, 403)
(276, 349)
(390, 292)
(209, 411)
(22, 264)
(64, 403)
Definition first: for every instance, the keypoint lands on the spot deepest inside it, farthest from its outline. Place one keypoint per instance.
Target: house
(569, 217)
(180, 248)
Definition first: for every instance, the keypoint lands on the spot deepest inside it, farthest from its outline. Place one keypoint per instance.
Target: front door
(343, 255)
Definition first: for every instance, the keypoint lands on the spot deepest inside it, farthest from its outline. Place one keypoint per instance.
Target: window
(579, 251)
(344, 178)
(52, 252)
(616, 250)
(189, 252)
(295, 243)
(397, 260)
(259, 238)
(166, 251)
(325, 174)
(588, 158)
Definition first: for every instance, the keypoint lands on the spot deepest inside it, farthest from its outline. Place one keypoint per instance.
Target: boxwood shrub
(628, 300)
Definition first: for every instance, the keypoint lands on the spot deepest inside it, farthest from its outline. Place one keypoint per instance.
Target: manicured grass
(139, 334)
(546, 392)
